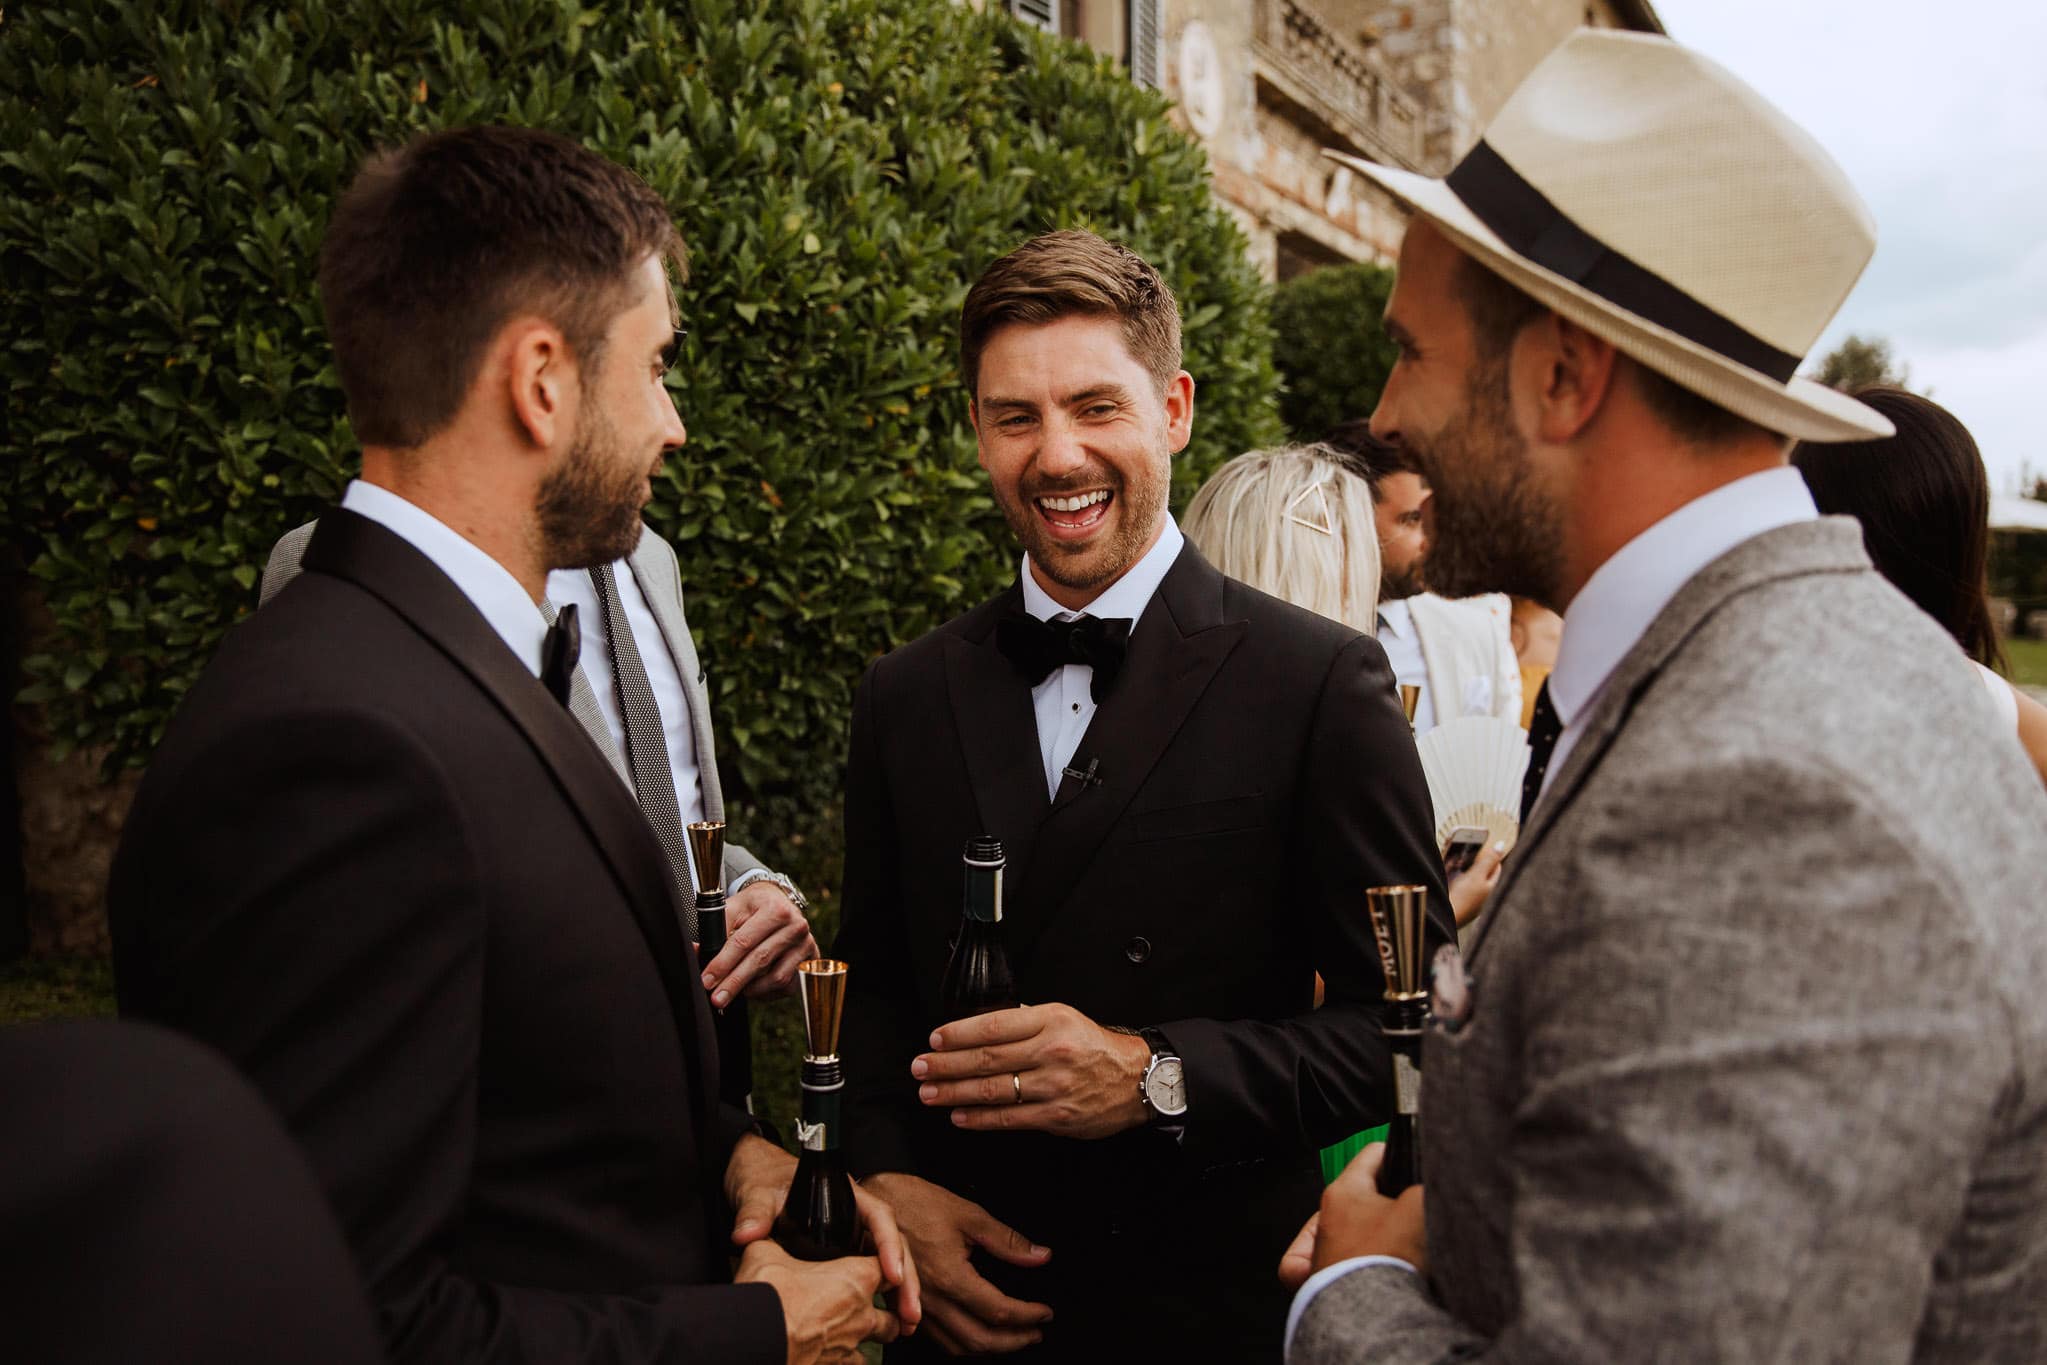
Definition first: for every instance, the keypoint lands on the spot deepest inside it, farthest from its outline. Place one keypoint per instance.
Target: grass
(56, 988)
(2028, 661)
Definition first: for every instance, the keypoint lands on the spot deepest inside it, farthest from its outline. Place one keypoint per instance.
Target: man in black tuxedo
(156, 1211)
(379, 866)
(1180, 866)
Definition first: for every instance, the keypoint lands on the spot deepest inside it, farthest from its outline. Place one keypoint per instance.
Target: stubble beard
(588, 509)
(1398, 586)
(1495, 529)
(1138, 506)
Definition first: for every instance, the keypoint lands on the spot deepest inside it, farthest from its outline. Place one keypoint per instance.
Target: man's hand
(1470, 888)
(967, 1315)
(765, 937)
(1047, 1067)
(1356, 1220)
(757, 1184)
(827, 1306)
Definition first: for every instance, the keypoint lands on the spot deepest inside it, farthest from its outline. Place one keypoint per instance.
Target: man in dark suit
(379, 866)
(156, 1211)
(1181, 864)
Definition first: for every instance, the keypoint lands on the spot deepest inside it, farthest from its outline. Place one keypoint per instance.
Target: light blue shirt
(1062, 701)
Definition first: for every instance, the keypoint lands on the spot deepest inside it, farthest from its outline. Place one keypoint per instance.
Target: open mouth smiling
(1074, 513)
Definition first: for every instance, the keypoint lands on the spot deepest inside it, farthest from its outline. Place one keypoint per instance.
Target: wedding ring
(1017, 1081)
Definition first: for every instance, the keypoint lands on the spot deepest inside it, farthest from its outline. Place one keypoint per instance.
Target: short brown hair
(1365, 455)
(436, 245)
(1064, 274)
(1499, 310)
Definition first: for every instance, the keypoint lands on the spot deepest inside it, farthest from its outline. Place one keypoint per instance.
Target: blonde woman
(1296, 523)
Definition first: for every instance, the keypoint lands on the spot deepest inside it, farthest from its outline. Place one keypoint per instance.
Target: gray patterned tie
(645, 744)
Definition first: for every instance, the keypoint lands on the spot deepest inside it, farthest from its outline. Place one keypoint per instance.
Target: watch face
(1166, 1087)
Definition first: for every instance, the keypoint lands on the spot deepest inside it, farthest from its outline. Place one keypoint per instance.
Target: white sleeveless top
(2001, 699)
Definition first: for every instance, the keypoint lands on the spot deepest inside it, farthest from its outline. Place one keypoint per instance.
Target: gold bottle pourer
(821, 985)
(1399, 921)
(1410, 701)
(707, 855)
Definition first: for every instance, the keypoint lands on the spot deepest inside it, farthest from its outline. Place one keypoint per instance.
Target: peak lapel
(1832, 545)
(355, 548)
(998, 731)
(1179, 642)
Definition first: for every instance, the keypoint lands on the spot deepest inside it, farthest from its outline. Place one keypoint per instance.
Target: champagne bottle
(735, 1037)
(1399, 921)
(819, 1221)
(977, 977)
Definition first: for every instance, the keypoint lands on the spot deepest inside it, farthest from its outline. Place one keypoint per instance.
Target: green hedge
(1332, 354)
(841, 169)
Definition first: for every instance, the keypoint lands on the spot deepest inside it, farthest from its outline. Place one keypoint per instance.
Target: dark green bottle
(977, 976)
(819, 1221)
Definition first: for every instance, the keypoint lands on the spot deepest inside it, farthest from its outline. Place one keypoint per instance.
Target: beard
(1397, 585)
(1137, 507)
(589, 507)
(1496, 529)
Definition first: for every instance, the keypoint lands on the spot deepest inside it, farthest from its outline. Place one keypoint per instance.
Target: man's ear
(1179, 411)
(1577, 370)
(541, 377)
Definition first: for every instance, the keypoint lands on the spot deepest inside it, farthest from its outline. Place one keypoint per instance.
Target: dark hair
(1498, 311)
(1923, 499)
(1365, 455)
(1064, 274)
(436, 245)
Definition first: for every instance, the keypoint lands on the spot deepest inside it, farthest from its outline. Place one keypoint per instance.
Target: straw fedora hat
(1644, 193)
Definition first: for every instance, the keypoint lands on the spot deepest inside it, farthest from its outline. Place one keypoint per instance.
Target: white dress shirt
(1062, 701)
(487, 584)
(678, 732)
(1625, 595)
(1608, 618)
(1404, 652)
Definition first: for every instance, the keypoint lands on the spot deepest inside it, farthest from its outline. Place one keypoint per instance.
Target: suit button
(1138, 949)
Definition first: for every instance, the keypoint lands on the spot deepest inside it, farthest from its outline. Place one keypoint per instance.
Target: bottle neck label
(1407, 1084)
(818, 1129)
(984, 893)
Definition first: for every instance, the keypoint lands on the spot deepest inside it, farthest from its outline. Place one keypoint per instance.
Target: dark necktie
(645, 743)
(559, 652)
(1543, 729)
(1034, 648)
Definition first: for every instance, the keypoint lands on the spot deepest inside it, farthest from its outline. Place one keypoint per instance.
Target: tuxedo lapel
(357, 549)
(998, 731)
(660, 579)
(1804, 547)
(1178, 644)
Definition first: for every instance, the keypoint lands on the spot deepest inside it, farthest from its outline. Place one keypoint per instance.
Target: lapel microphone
(1087, 778)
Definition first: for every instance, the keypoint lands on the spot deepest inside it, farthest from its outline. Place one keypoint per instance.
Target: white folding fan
(1474, 766)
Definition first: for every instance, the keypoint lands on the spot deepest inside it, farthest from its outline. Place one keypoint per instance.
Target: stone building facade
(1267, 84)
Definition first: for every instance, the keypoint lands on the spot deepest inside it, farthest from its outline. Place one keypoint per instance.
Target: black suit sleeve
(1365, 820)
(881, 1108)
(343, 969)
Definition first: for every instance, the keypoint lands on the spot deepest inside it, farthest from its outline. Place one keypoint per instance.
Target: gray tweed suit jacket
(1756, 1063)
(660, 579)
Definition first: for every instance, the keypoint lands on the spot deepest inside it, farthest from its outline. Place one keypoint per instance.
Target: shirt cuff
(1325, 1277)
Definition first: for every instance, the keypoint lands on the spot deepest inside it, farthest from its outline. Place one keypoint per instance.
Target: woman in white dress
(1924, 503)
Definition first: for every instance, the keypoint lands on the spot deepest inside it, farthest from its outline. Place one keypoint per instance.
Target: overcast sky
(1939, 116)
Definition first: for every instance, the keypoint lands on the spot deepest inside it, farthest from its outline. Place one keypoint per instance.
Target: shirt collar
(1622, 599)
(487, 584)
(1127, 597)
(1399, 622)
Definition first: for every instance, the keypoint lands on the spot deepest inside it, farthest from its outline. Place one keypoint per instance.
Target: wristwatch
(1163, 1087)
(761, 874)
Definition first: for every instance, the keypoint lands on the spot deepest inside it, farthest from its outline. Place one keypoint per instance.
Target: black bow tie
(1037, 647)
(558, 653)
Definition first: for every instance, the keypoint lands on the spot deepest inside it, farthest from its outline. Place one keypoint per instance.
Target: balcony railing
(1335, 82)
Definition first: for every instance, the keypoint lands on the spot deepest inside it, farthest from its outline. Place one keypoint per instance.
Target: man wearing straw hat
(1750, 1062)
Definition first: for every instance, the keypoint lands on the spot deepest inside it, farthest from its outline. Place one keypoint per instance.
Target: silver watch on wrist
(761, 874)
(1163, 1087)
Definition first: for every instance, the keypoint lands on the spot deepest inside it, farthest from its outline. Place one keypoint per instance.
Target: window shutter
(1042, 14)
(1147, 44)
